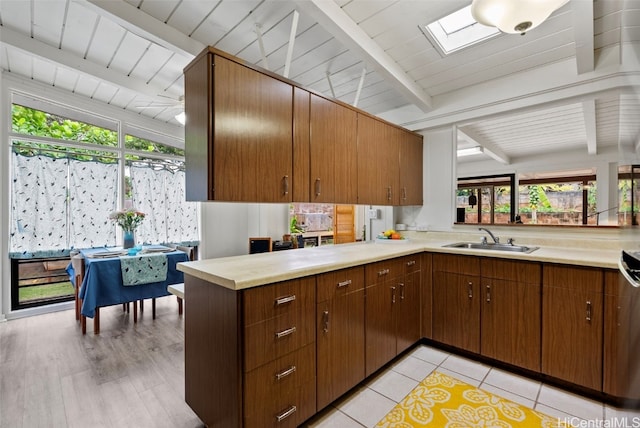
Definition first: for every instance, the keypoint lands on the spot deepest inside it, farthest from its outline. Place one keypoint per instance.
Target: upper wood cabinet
(238, 134)
(411, 164)
(378, 162)
(333, 152)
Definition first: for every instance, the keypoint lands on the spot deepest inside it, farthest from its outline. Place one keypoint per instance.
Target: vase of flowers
(128, 220)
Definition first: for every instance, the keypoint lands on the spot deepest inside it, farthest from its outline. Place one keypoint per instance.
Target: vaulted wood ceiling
(572, 83)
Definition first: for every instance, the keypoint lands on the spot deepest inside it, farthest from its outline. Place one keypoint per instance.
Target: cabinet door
(511, 322)
(380, 330)
(378, 160)
(427, 295)
(456, 310)
(621, 377)
(333, 152)
(411, 165)
(253, 135)
(408, 311)
(340, 333)
(572, 322)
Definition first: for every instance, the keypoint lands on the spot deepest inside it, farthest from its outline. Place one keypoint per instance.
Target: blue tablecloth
(102, 283)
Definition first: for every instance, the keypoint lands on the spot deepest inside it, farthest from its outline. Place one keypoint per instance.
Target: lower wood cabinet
(572, 324)
(456, 301)
(621, 377)
(340, 333)
(511, 305)
(392, 310)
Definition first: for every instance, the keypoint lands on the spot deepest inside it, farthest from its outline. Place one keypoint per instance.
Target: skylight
(457, 31)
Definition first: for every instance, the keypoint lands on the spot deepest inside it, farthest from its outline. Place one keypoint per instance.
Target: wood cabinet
(510, 312)
(427, 295)
(456, 301)
(621, 377)
(392, 310)
(340, 333)
(411, 164)
(250, 355)
(378, 162)
(572, 324)
(238, 132)
(333, 152)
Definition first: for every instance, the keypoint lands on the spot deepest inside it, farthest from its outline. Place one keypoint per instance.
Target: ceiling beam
(583, 33)
(490, 149)
(333, 19)
(589, 111)
(32, 47)
(138, 22)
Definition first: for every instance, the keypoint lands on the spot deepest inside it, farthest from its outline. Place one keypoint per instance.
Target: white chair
(178, 289)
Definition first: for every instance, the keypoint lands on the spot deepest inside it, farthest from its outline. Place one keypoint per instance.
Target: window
(70, 169)
(629, 194)
(485, 200)
(558, 199)
(457, 31)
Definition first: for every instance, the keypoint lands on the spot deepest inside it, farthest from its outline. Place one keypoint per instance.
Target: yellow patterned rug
(442, 401)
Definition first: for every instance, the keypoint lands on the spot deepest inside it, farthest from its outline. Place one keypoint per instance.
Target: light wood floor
(130, 375)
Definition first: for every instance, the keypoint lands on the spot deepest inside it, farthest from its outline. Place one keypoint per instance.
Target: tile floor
(367, 405)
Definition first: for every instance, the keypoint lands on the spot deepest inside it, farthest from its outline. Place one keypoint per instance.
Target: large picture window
(69, 171)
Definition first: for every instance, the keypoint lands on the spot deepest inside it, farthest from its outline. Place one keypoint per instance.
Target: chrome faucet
(496, 240)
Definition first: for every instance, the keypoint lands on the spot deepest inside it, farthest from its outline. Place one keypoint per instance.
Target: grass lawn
(45, 291)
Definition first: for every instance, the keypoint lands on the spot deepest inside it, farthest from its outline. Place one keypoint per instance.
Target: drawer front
(283, 392)
(453, 263)
(412, 263)
(271, 339)
(382, 271)
(270, 301)
(339, 283)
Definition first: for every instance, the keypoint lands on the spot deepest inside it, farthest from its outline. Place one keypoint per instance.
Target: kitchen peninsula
(266, 334)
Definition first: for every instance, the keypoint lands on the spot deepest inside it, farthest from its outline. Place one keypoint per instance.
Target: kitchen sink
(492, 246)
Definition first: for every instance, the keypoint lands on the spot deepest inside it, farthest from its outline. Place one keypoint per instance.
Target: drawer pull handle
(411, 262)
(470, 289)
(287, 299)
(284, 415)
(325, 321)
(404, 193)
(589, 310)
(389, 193)
(285, 180)
(287, 332)
(344, 283)
(393, 294)
(286, 373)
(401, 291)
(383, 272)
(318, 187)
(488, 294)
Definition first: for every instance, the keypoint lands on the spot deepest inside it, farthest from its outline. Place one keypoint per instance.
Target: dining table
(111, 276)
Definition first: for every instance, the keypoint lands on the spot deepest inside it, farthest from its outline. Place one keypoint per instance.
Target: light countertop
(240, 272)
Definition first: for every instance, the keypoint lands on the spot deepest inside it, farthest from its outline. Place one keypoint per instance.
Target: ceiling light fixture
(514, 17)
(181, 117)
(469, 151)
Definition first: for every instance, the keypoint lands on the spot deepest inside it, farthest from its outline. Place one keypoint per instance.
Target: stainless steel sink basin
(493, 246)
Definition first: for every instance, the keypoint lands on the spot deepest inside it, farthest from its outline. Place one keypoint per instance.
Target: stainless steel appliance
(629, 265)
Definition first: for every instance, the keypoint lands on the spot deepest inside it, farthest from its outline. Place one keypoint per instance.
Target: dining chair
(176, 289)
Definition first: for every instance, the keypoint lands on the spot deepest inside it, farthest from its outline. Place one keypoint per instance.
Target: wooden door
(572, 324)
(456, 310)
(408, 305)
(411, 166)
(253, 135)
(621, 377)
(344, 229)
(511, 318)
(378, 156)
(340, 333)
(333, 152)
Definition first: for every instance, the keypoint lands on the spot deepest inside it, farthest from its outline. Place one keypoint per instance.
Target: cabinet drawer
(265, 341)
(263, 303)
(380, 271)
(463, 265)
(339, 283)
(522, 272)
(579, 279)
(284, 388)
(412, 263)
